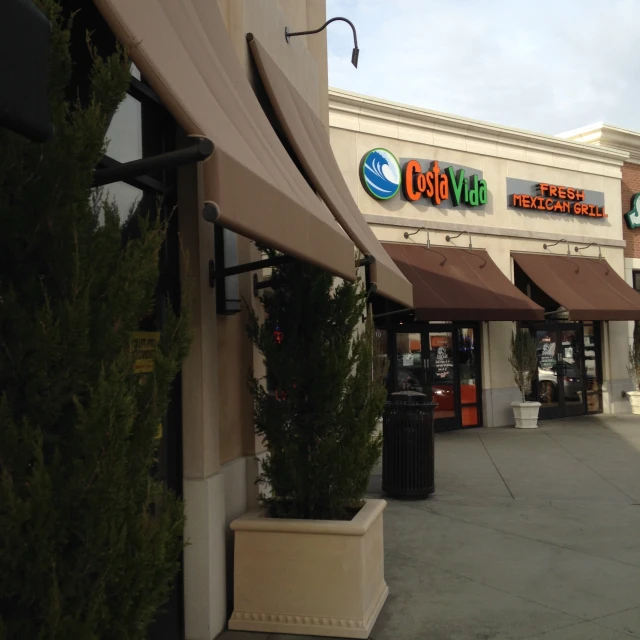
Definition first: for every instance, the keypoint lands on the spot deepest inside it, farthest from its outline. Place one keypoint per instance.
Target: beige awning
(310, 142)
(185, 53)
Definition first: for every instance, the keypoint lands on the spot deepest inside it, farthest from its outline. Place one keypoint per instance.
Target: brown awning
(459, 284)
(185, 53)
(588, 288)
(310, 142)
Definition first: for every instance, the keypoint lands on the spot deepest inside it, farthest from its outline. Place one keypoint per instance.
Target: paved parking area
(531, 535)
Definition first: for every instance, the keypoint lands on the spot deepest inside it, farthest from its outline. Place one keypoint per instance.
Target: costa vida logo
(381, 174)
(633, 216)
(382, 178)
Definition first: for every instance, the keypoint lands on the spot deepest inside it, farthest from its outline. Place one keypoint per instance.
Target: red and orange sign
(440, 341)
(557, 199)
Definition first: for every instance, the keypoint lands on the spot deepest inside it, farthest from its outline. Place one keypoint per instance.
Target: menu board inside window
(546, 351)
(441, 357)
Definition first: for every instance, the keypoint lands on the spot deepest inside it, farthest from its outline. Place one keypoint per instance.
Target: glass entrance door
(560, 387)
(571, 370)
(469, 376)
(443, 377)
(443, 360)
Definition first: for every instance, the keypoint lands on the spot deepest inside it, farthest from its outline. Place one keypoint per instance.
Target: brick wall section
(630, 186)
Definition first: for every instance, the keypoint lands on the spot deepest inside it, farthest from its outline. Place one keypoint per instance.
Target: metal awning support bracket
(366, 262)
(200, 150)
(392, 313)
(219, 273)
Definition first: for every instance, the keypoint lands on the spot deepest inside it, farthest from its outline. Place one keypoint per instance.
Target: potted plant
(311, 561)
(524, 362)
(634, 370)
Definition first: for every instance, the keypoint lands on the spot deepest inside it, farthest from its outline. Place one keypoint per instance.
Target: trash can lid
(411, 397)
(412, 394)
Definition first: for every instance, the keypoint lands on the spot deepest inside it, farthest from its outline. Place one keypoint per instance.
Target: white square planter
(526, 414)
(634, 401)
(312, 577)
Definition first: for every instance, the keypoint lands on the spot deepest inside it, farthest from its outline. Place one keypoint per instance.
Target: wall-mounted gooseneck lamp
(354, 54)
(553, 244)
(591, 244)
(450, 238)
(407, 235)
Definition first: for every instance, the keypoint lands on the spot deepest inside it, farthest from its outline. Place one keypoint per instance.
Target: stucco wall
(355, 133)
(220, 450)
(304, 60)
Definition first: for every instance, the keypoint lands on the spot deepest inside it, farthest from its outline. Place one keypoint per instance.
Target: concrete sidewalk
(530, 535)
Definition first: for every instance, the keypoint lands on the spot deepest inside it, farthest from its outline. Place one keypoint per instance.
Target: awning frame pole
(392, 313)
(200, 150)
(365, 262)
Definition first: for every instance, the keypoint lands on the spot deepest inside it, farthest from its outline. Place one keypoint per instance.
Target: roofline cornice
(383, 110)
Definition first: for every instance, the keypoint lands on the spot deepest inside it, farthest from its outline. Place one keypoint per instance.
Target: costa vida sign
(632, 217)
(382, 178)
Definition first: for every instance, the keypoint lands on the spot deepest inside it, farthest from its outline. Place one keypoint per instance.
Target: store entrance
(443, 359)
(568, 378)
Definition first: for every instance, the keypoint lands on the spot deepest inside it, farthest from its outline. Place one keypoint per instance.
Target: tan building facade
(195, 72)
(221, 452)
(604, 135)
(551, 220)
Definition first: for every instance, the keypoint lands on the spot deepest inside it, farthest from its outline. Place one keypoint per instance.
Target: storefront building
(495, 228)
(243, 117)
(604, 135)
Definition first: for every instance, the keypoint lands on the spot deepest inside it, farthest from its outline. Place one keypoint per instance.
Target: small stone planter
(634, 401)
(311, 577)
(526, 414)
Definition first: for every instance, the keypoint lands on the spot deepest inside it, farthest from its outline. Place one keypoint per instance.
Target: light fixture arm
(591, 244)
(450, 238)
(553, 244)
(355, 54)
(407, 235)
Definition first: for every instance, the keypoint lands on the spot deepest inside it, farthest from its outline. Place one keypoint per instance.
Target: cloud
(545, 66)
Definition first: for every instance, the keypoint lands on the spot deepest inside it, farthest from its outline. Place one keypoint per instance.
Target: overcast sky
(542, 65)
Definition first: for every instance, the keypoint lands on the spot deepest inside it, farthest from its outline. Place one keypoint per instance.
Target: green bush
(89, 540)
(325, 394)
(523, 359)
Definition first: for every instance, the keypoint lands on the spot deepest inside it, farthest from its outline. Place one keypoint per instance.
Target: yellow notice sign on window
(143, 344)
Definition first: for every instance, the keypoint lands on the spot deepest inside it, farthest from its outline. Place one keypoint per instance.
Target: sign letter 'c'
(410, 169)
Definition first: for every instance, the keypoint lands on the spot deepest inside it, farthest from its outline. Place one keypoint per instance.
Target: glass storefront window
(380, 353)
(468, 376)
(441, 360)
(547, 368)
(571, 356)
(410, 371)
(591, 362)
(125, 131)
(125, 197)
(569, 369)
(442, 365)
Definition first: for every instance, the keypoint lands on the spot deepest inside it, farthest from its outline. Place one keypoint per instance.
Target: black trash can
(408, 446)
